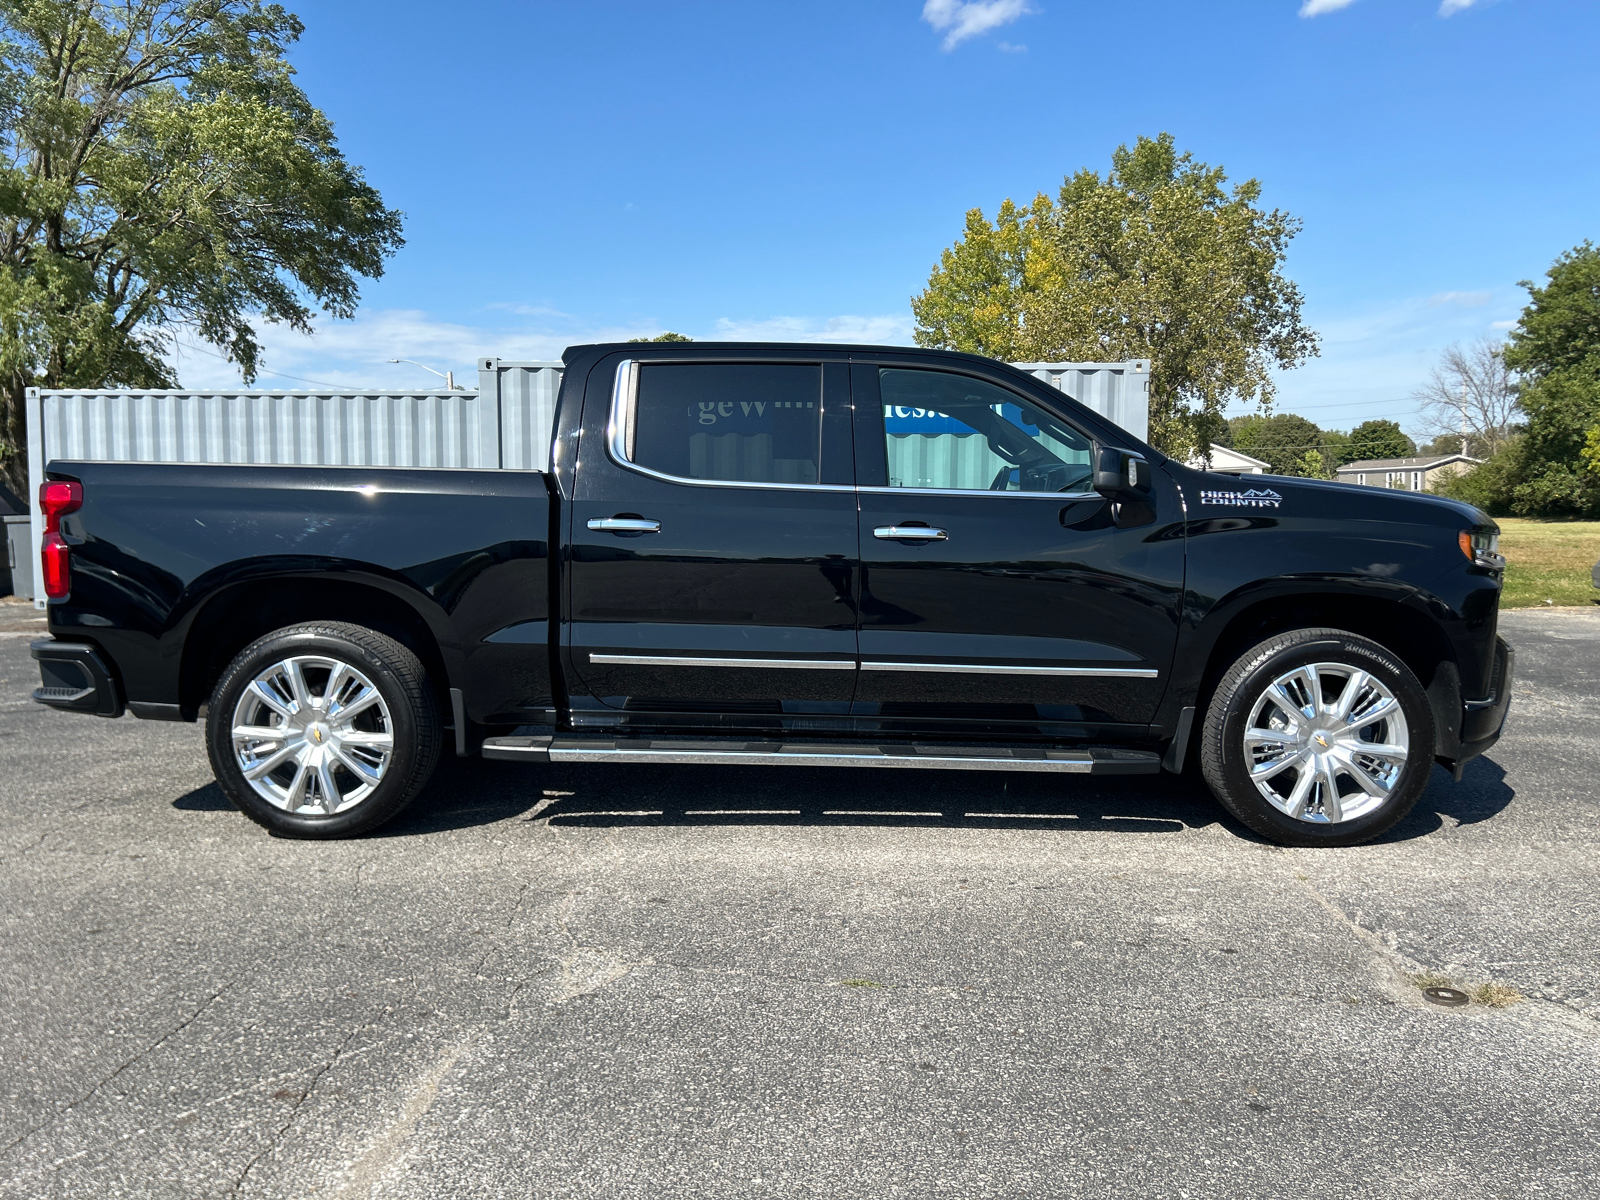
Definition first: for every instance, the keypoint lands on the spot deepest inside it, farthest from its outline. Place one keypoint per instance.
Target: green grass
(1548, 561)
(1496, 995)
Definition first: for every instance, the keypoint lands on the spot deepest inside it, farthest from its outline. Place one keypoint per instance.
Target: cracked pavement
(644, 982)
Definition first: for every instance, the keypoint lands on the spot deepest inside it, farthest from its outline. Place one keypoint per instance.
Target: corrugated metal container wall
(525, 393)
(1120, 392)
(347, 429)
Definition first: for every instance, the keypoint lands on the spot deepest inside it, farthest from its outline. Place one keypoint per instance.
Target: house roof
(1424, 462)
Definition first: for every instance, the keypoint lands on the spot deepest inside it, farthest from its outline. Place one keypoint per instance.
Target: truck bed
(177, 567)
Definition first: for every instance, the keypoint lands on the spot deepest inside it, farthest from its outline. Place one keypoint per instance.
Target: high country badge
(1253, 498)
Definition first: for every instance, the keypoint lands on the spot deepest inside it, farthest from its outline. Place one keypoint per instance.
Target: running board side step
(1093, 760)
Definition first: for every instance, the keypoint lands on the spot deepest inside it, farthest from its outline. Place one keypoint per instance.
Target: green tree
(1335, 449)
(1282, 440)
(1312, 465)
(1488, 485)
(669, 336)
(1157, 261)
(1377, 439)
(1556, 347)
(1560, 327)
(1591, 449)
(160, 169)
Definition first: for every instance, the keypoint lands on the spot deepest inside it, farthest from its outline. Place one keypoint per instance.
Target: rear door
(998, 590)
(713, 542)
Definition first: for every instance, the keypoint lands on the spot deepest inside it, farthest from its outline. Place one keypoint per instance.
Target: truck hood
(1260, 491)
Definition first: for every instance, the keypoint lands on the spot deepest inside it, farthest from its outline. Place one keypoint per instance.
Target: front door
(998, 592)
(713, 535)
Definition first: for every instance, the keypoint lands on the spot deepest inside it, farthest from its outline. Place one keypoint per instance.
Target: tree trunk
(14, 437)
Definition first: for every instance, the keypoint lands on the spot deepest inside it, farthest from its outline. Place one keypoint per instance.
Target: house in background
(1230, 462)
(1410, 474)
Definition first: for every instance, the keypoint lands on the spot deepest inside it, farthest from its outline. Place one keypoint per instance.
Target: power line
(1343, 404)
(263, 370)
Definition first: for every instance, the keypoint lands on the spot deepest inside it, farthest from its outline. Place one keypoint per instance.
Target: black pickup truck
(780, 554)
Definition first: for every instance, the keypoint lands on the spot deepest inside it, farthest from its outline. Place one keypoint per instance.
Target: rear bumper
(74, 678)
(1483, 720)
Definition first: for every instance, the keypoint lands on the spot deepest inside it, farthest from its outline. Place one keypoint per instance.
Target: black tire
(1225, 762)
(412, 722)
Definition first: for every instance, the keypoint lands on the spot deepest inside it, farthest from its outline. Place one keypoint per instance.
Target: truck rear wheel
(1318, 737)
(323, 730)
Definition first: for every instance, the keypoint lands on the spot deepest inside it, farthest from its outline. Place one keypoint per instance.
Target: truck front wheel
(1318, 737)
(323, 730)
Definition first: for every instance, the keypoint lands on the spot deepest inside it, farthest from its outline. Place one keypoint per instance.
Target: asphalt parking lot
(632, 982)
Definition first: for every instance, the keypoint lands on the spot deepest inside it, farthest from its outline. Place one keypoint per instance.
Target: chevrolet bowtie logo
(317, 733)
(1321, 741)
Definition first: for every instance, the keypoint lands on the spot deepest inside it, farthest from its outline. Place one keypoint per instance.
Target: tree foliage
(1550, 470)
(1285, 441)
(1377, 439)
(1559, 329)
(160, 168)
(668, 336)
(1158, 260)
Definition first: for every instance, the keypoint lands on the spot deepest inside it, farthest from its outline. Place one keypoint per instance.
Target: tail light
(57, 498)
(55, 558)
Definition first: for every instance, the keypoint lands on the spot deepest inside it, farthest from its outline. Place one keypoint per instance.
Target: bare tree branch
(1471, 395)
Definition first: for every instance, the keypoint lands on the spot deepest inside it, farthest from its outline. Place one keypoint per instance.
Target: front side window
(735, 422)
(953, 432)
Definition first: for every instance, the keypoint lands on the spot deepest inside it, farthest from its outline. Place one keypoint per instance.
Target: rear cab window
(730, 422)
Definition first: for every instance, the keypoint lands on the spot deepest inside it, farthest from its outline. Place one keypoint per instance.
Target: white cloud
(1449, 8)
(1465, 299)
(959, 20)
(1315, 8)
(353, 354)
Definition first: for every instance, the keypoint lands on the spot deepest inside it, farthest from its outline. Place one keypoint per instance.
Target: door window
(735, 422)
(956, 433)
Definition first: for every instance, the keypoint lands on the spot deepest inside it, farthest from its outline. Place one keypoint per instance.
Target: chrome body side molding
(675, 660)
(1014, 669)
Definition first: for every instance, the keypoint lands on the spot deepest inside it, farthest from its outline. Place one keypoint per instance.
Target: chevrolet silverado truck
(786, 555)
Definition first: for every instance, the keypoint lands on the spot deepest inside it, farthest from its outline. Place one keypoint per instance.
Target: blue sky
(575, 172)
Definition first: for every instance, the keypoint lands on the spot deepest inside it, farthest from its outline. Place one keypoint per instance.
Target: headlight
(1482, 549)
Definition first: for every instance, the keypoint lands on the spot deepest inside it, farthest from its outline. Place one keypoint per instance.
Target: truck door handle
(624, 525)
(921, 533)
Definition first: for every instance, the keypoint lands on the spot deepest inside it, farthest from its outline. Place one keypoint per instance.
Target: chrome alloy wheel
(312, 733)
(1326, 743)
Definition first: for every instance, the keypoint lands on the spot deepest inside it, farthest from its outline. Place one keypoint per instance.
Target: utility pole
(1463, 419)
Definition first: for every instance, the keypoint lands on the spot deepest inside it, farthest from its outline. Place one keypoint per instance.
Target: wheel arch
(1396, 621)
(240, 612)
